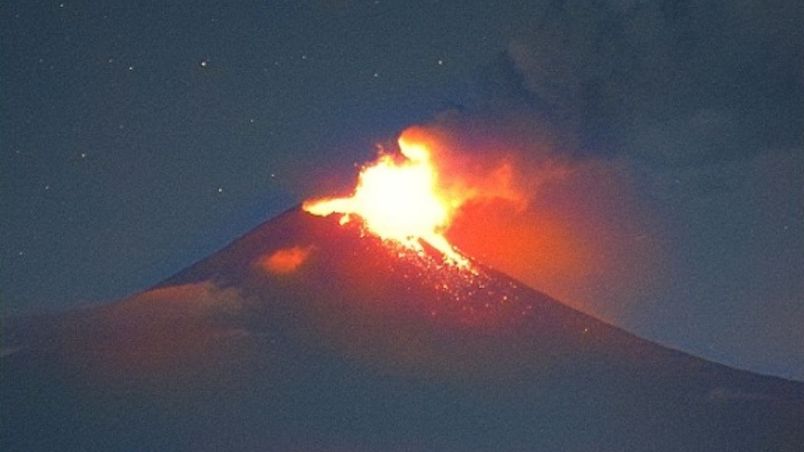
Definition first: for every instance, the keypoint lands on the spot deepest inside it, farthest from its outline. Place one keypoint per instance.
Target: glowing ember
(399, 201)
(286, 260)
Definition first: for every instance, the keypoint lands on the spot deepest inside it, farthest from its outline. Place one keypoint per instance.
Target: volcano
(309, 334)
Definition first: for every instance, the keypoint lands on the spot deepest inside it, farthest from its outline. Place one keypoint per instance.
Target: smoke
(202, 299)
(670, 83)
(638, 161)
(569, 226)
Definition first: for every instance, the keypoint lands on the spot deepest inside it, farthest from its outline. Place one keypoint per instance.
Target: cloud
(161, 331)
(201, 299)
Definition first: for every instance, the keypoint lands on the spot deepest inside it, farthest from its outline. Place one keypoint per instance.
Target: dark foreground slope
(304, 335)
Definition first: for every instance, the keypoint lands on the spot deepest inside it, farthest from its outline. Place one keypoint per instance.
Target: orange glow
(583, 238)
(399, 199)
(286, 260)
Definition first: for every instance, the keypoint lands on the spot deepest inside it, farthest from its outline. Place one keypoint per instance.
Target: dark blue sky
(122, 122)
(137, 137)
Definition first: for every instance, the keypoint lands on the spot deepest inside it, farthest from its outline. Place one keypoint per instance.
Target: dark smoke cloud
(674, 83)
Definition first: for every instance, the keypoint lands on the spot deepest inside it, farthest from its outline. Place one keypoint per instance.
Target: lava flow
(399, 200)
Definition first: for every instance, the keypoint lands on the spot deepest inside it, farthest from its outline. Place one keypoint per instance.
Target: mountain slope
(306, 334)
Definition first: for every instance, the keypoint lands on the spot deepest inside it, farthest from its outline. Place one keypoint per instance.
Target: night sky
(139, 137)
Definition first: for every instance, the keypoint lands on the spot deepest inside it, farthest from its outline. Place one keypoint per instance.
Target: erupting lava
(399, 200)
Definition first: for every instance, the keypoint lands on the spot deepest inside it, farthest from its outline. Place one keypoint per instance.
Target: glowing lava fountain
(399, 200)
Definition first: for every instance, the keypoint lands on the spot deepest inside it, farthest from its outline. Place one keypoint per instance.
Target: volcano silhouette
(308, 335)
